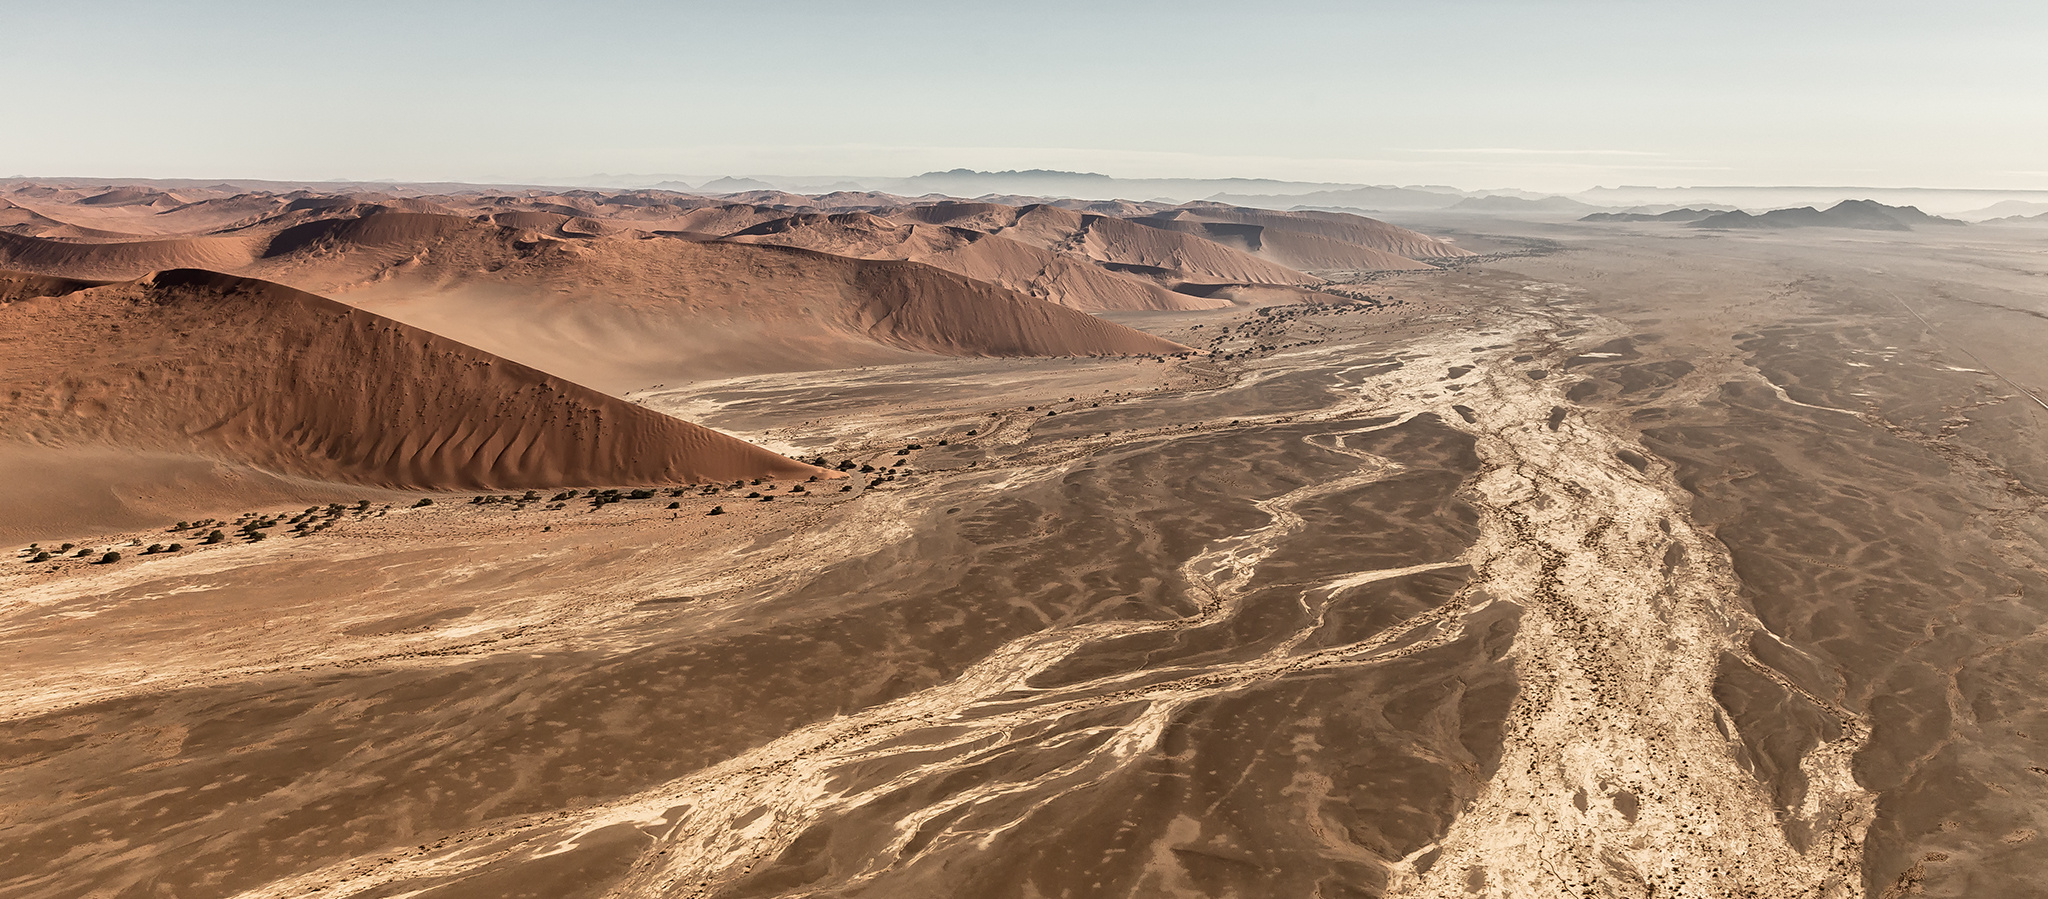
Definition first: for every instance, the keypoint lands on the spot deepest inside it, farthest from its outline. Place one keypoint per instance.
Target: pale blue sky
(1545, 95)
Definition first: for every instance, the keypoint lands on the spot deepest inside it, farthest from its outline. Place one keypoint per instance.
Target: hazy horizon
(1555, 97)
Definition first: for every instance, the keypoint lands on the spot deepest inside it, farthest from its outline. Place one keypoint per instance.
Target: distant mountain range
(1868, 215)
(1028, 186)
(1687, 214)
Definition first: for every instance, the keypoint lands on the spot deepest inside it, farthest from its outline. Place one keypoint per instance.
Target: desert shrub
(181, 526)
(797, 489)
(846, 465)
(81, 554)
(213, 537)
(66, 547)
(110, 558)
(43, 556)
(256, 535)
(564, 496)
(174, 548)
(846, 488)
(643, 494)
(754, 494)
(943, 442)
(768, 499)
(865, 469)
(675, 505)
(716, 510)
(153, 548)
(903, 452)
(423, 502)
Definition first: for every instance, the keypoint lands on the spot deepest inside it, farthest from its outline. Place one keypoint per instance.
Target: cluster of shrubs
(250, 526)
(38, 554)
(319, 518)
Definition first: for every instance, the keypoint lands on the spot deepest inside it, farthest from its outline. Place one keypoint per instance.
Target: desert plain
(1056, 552)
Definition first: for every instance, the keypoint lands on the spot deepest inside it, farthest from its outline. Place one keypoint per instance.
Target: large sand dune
(1292, 229)
(1168, 256)
(1031, 270)
(628, 312)
(292, 383)
(621, 308)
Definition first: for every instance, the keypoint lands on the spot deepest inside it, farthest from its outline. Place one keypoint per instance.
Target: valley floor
(1659, 564)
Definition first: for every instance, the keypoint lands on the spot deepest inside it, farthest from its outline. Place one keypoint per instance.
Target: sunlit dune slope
(289, 382)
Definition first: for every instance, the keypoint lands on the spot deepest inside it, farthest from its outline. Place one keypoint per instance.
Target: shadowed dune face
(289, 382)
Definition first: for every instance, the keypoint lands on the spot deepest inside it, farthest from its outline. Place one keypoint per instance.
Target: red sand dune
(1169, 257)
(292, 383)
(1061, 278)
(628, 311)
(122, 259)
(1294, 249)
(1356, 230)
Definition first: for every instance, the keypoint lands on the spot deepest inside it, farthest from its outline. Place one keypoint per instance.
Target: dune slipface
(255, 372)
